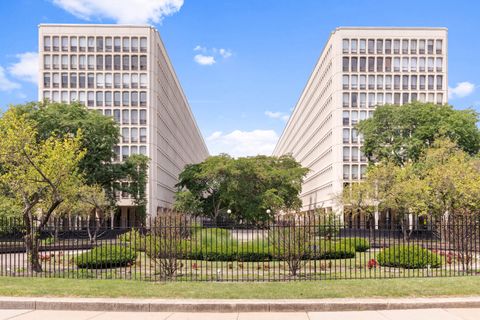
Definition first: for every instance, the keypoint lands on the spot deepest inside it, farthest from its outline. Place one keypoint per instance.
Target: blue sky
(242, 63)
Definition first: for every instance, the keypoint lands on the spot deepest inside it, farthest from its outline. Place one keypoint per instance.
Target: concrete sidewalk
(417, 314)
(234, 306)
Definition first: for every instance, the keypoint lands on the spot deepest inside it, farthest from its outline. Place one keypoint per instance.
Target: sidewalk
(234, 306)
(418, 314)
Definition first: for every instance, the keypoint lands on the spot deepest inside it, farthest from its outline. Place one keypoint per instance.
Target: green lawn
(416, 287)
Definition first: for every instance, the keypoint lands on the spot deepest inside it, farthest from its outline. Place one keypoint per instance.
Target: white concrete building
(358, 69)
(124, 71)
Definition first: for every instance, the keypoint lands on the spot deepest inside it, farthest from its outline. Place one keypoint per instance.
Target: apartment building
(359, 69)
(123, 71)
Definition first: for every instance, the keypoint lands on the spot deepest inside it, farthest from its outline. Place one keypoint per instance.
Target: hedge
(408, 257)
(106, 256)
(360, 244)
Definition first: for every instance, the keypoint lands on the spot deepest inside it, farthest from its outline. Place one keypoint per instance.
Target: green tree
(134, 170)
(38, 174)
(402, 133)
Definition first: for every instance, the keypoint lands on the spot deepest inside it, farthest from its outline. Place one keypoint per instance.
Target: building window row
(134, 135)
(95, 62)
(99, 98)
(122, 153)
(354, 171)
(389, 82)
(127, 117)
(392, 64)
(353, 154)
(371, 100)
(95, 80)
(395, 46)
(351, 135)
(95, 44)
(353, 117)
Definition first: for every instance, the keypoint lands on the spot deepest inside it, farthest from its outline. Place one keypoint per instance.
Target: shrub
(134, 239)
(408, 257)
(106, 256)
(360, 244)
(329, 225)
(325, 249)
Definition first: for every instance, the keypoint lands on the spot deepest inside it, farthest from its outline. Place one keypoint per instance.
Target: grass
(415, 287)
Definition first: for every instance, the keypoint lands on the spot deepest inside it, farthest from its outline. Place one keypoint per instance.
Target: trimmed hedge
(331, 250)
(408, 257)
(360, 244)
(106, 256)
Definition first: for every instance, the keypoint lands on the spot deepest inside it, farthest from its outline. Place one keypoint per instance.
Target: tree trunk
(32, 245)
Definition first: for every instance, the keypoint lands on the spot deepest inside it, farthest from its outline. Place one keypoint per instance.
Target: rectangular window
(430, 64)
(388, 82)
(82, 97)
(354, 46)
(116, 98)
(396, 64)
(64, 80)
(380, 99)
(46, 80)
(354, 100)
(379, 46)
(354, 135)
(64, 43)
(91, 62)
(413, 82)
(355, 154)
(117, 46)
(371, 100)
(143, 134)
(354, 115)
(363, 64)
(99, 44)
(346, 100)
(143, 150)
(430, 46)
(363, 100)
(421, 46)
(125, 135)
(134, 80)
(143, 98)
(56, 62)
(405, 99)
(116, 62)
(388, 98)
(73, 62)
(134, 117)
(91, 44)
(363, 82)
(82, 62)
(55, 80)
(81, 80)
(126, 44)
(354, 82)
(143, 62)
(346, 172)
(380, 82)
(134, 98)
(99, 62)
(396, 98)
(345, 64)
(346, 135)
(108, 62)
(405, 82)
(388, 46)
(47, 43)
(439, 64)
(108, 100)
(405, 64)
(125, 117)
(100, 80)
(371, 46)
(354, 172)
(117, 80)
(143, 80)
(421, 64)
(346, 118)
(125, 99)
(126, 63)
(143, 116)
(371, 82)
(363, 45)
(90, 80)
(73, 80)
(346, 153)
(134, 64)
(439, 98)
(396, 82)
(134, 135)
(125, 155)
(126, 81)
(90, 98)
(99, 98)
(143, 44)
(413, 64)
(73, 96)
(405, 46)
(56, 43)
(82, 44)
(371, 64)
(438, 46)
(134, 44)
(47, 61)
(396, 46)
(388, 64)
(108, 44)
(65, 96)
(108, 80)
(439, 82)
(422, 83)
(379, 64)
(413, 46)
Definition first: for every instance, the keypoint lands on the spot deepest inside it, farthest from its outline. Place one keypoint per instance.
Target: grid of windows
(385, 71)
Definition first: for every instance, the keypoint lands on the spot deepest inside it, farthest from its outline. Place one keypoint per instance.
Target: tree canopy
(402, 133)
(245, 187)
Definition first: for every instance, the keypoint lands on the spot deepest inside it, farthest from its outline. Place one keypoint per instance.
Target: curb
(166, 305)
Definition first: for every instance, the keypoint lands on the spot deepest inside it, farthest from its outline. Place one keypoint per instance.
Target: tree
(402, 133)
(37, 173)
(252, 188)
(134, 170)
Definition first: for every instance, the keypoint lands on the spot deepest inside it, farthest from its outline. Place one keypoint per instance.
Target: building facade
(359, 69)
(124, 72)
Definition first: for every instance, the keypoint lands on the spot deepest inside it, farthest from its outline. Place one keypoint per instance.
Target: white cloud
(199, 48)
(462, 89)
(26, 68)
(243, 143)
(122, 11)
(204, 60)
(5, 83)
(225, 53)
(277, 115)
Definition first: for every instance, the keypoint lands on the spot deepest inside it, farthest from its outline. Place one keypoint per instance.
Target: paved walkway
(418, 314)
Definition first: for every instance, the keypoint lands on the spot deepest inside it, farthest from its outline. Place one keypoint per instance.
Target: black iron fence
(175, 247)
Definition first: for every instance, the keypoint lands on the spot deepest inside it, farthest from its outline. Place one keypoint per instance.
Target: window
(56, 96)
(143, 44)
(134, 98)
(439, 82)
(405, 98)
(363, 64)
(396, 82)
(413, 46)
(396, 64)
(81, 80)
(346, 100)
(135, 80)
(108, 80)
(134, 135)
(90, 98)
(126, 80)
(396, 46)
(439, 98)
(371, 64)
(108, 62)
(99, 62)
(108, 100)
(354, 82)
(346, 172)
(388, 82)
(413, 82)
(99, 44)
(363, 170)
(430, 64)
(422, 83)
(116, 151)
(388, 46)
(91, 62)
(117, 44)
(388, 64)
(125, 99)
(396, 99)
(421, 46)
(143, 80)
(421, 64)
(90, 80)
(125, 155)
(363, 100)
(345, 64)
(354, 46)
(47, 61)
(380, 82)
(438, 46)
(363, 82)
(125, 135)
(405, 46)
(117, 80)
(56, 61)
(439, 64)
(64, 80)
(354, 100)
(346, 153)
(82, 62)
(371, 82)
(125, 117)
(134, 44)
(91, 44)
(47, 43)
(81, 97)
(346, 135)
(143, 150)
(134, 64)
(143, 116)
(354, 115)
(430, 46)
(354, 135)
(116, 98)
(73, 62)
(380, 99)
(363, 45)
(108, 44)
(82, 43)
(56, 80)
(143, 134)
(354, 153)
(143, 99)
(134, 117)
(133, 150)
(371, 100)
(413, 64)
(56, 44)
(346, 118)
(126, 44)
(100, 80)
(405, 82)
(379, 64)
(64, 43)
(64, 96)
(73, 96)
(143, 62)
(46, 80)
(388, 98)
(99, 96)
(405, 64)
(73, 80)
(414, 97)
(125, 62)
(116, 62)
(371, 46)
(379, 46)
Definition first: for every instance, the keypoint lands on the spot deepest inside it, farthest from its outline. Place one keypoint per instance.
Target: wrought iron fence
(176, 247)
